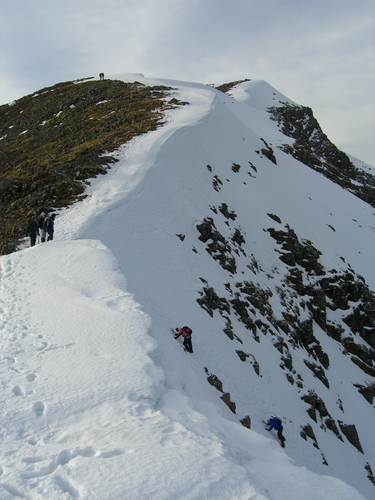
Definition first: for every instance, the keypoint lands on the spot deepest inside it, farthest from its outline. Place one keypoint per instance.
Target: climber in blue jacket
(275, 423)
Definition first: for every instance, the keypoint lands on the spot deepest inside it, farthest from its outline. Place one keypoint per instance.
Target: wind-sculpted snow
(97, 398)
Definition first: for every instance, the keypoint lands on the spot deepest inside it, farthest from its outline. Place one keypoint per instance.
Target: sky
(97, 398)
(319, 53)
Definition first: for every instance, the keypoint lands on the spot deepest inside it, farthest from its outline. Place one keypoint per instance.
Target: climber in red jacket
(185, 332)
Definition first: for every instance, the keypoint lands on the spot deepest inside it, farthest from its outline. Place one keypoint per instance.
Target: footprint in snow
(17, 390)
(38, 408)
(111, 453)
(67, 487)
(31, 377)
(33, 460)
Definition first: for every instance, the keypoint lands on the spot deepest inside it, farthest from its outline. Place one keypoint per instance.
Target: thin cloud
(319, 53)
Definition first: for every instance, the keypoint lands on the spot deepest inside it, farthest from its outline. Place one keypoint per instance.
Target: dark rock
(238, 237)
(236, 167)
(321, 355)
(242, 355)
(335, 331)
(215, 382)
(331, 425)
(210, 301)
(368, 392)
(228, 330)
(226, 87)
(267, 151)
(231, 405)
(317, 306)
(288, 259)
(350, 432)
(304, 253)
(307, 431)
(363, 366)
(216, 183)
(317, 371)
(224, 210)
(313, 148)
(276, 218)
(246, 422)
(366, 354)
(370, 475)
(316, 405)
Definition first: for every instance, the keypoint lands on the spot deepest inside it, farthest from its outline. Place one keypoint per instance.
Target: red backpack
(40, 221)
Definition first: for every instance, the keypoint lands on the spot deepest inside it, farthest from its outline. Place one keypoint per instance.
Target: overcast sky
(319, 53)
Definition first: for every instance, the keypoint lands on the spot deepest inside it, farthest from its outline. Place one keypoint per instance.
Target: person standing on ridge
(49, 226)
(185, 332)
(276, 423)
(32, 229)
(42, 231)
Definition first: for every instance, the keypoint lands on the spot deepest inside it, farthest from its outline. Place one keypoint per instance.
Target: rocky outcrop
(308, 432)
(267, 151)
(210, 301)
(370, 475)
(215, 382)
(367, 391)
(322, 292)
(350, 432)
(314, 149)
(317, 371)
(226, 87)
(246, 422)
(317, 406)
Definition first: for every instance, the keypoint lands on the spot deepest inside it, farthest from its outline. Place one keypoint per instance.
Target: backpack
(40, 221)
(278, 420)
(187, 330)
(46, 224)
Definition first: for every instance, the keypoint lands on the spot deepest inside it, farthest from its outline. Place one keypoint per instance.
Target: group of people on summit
(43, 226)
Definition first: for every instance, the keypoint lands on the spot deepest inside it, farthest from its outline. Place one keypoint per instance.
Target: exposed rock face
(370, 475)
(309, 294)
(368, 392)
(317, 371)
(231, 405)
(211, 301)
(215, 382)
(308, 432)
(317, 406)
(226, 87)
(217, 245)
(301, 253)
(267, 151)
(314, 149)
(350, 431)
(246, 422)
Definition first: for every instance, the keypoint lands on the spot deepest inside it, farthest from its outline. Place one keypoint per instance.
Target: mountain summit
(225, 209)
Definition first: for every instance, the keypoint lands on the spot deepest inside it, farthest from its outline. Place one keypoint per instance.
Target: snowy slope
(97, 398)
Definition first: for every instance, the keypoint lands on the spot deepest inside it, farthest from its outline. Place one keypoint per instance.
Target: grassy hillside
(55, 140)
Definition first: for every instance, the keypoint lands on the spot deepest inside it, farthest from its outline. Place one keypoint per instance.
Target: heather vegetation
(57, 139)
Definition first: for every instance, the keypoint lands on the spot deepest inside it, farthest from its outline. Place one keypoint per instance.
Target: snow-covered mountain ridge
(207, 222)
